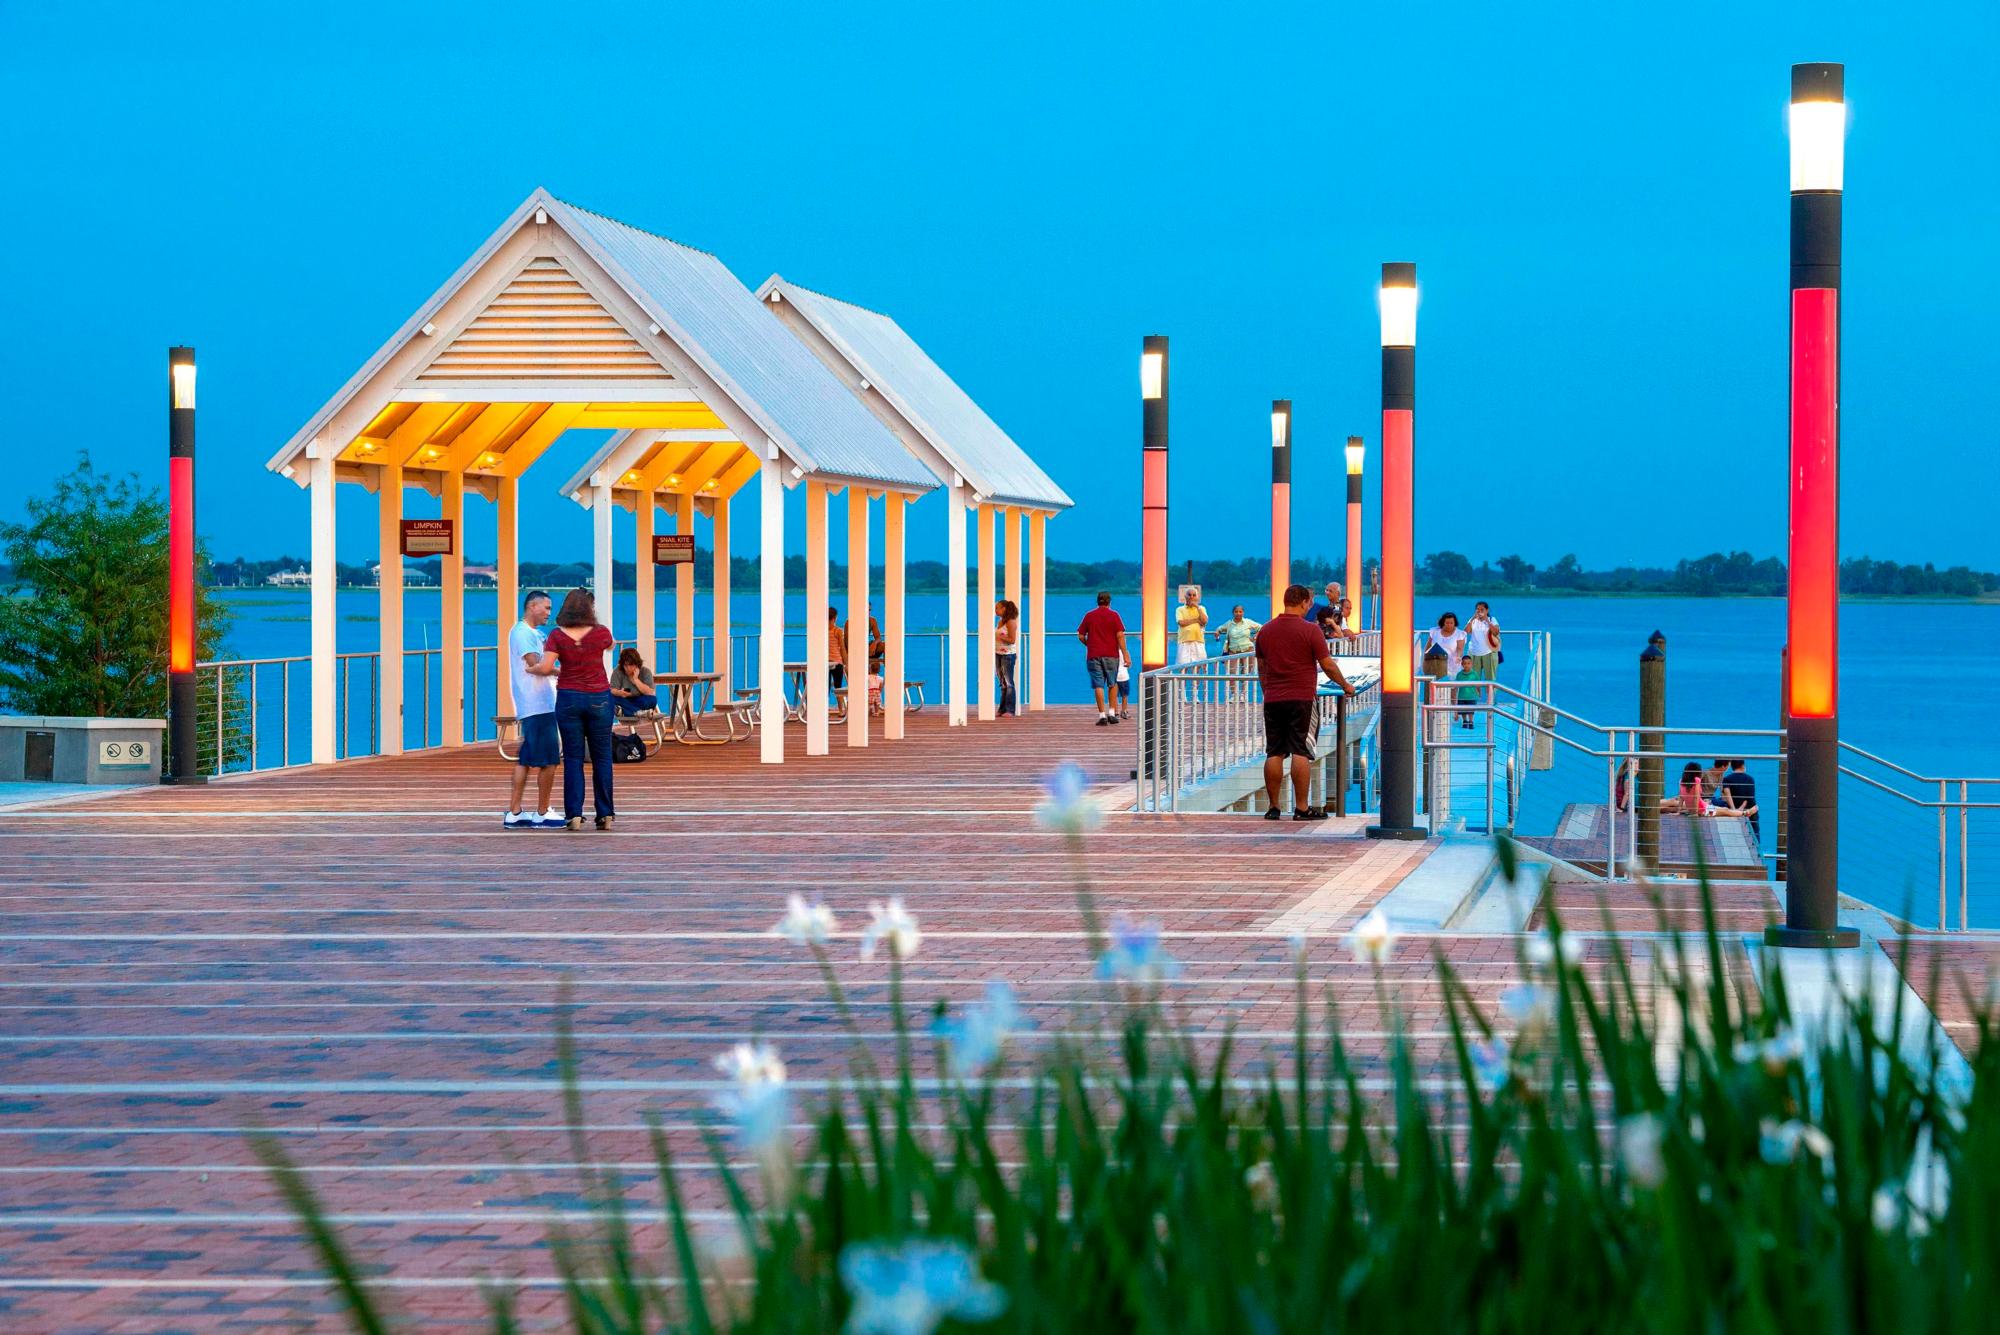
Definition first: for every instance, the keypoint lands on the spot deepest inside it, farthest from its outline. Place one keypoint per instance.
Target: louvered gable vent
(544, 326)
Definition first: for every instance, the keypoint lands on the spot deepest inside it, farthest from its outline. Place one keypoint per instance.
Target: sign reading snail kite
(673, 549)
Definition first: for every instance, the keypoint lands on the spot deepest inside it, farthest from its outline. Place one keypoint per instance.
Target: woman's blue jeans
(584, 718)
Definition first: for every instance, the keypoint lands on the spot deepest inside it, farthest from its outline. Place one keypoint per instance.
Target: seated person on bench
(632, 686)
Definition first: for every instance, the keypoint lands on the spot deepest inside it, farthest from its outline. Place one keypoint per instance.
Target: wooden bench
(744, 712)
(651, 719)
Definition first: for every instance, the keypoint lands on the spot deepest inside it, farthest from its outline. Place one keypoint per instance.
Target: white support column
(816, 619)
(893, 672)
(389, 590)
(326, 742)
(507, 582)
(451, 617)
(988, 687)
(600, 555)
(771, 615)
(644, 626)
(954, 686)
(718, 584)
(1038, 611)
(857, 616)
(1010, 518)
(684, 589)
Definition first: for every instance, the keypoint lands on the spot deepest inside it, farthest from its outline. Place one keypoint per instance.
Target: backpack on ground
(627, 748)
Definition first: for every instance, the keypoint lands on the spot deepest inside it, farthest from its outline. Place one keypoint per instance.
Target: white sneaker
(552, 819)
(518, 820)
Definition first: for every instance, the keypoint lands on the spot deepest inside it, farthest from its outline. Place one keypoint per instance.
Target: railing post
(1944, 858)
(285, 715)
(1611, 806)
(1492, 826)
(1964, 849)
(253, 718)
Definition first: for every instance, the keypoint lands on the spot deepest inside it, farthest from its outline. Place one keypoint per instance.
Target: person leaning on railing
(1291, 656)
(1238, 635)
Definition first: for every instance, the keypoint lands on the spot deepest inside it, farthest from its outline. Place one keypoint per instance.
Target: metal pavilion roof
(889, 361)
(702, 314)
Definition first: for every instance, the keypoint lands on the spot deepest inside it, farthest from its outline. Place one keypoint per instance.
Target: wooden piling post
(1649, 788)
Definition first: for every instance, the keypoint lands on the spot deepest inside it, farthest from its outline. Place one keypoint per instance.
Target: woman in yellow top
(1192, 617)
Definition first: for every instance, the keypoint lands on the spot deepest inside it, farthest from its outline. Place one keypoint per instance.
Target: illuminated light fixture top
(366, 447)
(182, 370)
(673, 479)
(1152, 371)
(1356, 452)
(1399, 305)
(432, 452)
(1818, 126)
(1281, 428)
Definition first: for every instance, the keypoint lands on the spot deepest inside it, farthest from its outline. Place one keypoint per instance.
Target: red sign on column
(673, 549)
(427, 537)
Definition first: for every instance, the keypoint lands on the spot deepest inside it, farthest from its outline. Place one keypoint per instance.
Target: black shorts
(1291, 728)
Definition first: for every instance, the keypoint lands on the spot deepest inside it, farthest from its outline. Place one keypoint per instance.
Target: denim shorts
(541, 745)
(1103, 672)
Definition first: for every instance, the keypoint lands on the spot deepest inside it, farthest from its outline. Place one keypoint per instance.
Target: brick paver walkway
(359, 961)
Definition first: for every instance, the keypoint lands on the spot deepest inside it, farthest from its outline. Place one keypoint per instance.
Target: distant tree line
(1735, 574)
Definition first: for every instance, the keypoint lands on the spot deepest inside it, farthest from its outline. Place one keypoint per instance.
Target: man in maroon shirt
(1103, 636)
(1291, 655)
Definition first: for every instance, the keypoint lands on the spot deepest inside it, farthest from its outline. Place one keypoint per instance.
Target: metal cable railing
(1202, 723)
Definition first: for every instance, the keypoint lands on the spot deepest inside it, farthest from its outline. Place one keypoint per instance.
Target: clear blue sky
(1595, 196)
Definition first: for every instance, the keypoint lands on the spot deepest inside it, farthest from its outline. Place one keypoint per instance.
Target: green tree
(88, 630)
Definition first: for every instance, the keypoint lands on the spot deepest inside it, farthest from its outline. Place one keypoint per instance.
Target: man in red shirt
(1291, 655)
(1103, 636)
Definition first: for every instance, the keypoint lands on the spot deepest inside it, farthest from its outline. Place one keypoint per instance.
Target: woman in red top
(575, 652)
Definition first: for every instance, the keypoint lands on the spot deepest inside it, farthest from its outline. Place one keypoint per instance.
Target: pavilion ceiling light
(673, 479)
(432, 452)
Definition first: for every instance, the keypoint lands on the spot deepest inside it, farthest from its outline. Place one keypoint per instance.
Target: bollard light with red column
(1398, 785)
(181, 731)
(1153, 502)
(1281, 502)
(1812, 612)
(1357, 454)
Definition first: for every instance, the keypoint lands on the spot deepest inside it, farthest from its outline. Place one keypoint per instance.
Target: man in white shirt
(535, 707)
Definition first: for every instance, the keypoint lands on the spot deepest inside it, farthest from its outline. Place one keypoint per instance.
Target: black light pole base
(1808, 938)
(1396, 832)
(181, 725)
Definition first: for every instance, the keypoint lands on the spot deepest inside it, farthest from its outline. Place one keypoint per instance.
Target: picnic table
(795, 706)
(681, 688)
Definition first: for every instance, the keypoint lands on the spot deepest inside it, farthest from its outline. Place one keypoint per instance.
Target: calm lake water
(1722, 655)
